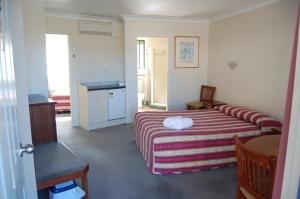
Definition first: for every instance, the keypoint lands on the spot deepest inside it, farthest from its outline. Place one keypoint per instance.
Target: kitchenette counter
(102, 104)
(91, 86)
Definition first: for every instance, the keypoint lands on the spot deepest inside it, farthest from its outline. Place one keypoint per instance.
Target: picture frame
(186, 54)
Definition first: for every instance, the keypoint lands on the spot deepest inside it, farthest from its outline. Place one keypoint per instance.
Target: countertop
(91, 86)
(37, 99)
(106, 87)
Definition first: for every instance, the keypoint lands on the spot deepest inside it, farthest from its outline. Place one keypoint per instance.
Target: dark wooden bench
(56, 163)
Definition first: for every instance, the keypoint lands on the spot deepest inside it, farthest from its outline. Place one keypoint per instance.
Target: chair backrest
(256, 172)
(207, 94)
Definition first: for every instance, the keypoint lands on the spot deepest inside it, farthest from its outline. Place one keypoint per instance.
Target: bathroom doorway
(152, 54)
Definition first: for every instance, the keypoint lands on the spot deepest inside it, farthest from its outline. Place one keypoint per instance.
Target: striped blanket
(207, 144)
(63, 103)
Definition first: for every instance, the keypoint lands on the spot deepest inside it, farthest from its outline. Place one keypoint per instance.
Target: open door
(14, 174)
(152, 70)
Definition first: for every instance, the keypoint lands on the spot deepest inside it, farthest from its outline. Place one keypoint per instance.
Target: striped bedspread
(63, 103)
(207, 144)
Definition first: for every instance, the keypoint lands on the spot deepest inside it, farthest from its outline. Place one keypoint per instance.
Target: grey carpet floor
(118, 171)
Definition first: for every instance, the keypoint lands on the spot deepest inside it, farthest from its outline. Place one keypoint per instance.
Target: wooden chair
(206, 98)
(256, 173)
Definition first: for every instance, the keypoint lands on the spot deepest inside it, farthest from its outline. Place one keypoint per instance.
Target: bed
(208, 144)
(63, 103)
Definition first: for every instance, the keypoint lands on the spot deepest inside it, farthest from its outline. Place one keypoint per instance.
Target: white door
(116, 104)
(12, 179)
(159, 77)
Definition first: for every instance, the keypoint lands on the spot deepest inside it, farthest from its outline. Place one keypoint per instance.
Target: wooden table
(42, 119)
(267, 145)
(55, 163)
(199, 105)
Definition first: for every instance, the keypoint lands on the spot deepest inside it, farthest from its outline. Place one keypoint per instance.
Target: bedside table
(197, 105)
(218, 103)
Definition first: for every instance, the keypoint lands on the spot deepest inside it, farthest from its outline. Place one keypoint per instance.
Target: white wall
(93, 57)
(183, 84)
(35, 46)
(260, 41)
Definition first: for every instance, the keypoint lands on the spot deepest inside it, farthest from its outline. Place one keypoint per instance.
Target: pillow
(265, 122)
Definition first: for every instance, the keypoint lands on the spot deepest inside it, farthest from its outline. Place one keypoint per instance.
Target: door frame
(290, 182)
(69, 66)
(146, 62)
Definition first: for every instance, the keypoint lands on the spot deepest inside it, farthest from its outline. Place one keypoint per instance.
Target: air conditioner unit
(95, 27)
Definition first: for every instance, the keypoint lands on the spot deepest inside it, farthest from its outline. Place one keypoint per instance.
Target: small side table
(218, 103)
(199, 105)
(266, 144)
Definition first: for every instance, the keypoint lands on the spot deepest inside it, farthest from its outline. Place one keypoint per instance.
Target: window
(141, 55)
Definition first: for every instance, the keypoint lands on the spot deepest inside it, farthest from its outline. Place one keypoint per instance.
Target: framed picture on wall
(186, 52)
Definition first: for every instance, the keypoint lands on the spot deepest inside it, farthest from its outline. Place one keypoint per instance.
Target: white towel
(178, 122)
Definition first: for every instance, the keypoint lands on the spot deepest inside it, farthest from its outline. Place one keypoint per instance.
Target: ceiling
(204, 9)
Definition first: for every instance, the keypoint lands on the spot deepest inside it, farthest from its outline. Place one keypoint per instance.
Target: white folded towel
(178, 122)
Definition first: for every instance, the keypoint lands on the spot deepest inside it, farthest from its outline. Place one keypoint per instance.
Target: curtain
(286, 120)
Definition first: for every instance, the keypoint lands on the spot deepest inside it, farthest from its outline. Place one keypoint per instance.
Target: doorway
(152, 56)
(57, 51)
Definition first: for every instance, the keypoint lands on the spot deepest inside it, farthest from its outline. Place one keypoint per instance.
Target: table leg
(85, 186)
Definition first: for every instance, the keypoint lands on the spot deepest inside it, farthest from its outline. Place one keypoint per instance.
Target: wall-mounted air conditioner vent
(95, 27)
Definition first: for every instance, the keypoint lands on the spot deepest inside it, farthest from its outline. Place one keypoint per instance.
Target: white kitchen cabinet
(116, 105)
(98, 106)
(101, 108)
